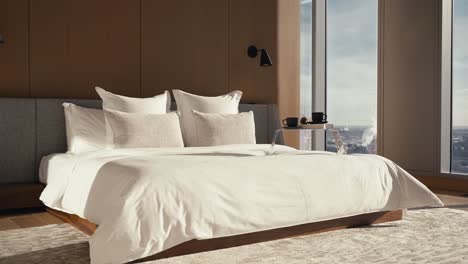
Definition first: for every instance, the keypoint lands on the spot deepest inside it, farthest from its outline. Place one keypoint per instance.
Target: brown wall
(14, 53)
(289, 65)
(253, 22)
(78, 44)
(141, 48)
(184, 45)
(63, 48)
(409, 83)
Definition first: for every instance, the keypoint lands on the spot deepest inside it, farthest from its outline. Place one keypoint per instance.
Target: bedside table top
(324, 126)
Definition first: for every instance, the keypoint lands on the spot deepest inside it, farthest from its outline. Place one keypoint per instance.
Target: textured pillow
(135, 130)
(159, 104)
(85, 128)
(186, 103)
(224, 129)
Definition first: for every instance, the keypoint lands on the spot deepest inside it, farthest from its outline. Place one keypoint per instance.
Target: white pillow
(159, 104)
(135, 130)
(186, 103)
(224, 129)
(85, 128)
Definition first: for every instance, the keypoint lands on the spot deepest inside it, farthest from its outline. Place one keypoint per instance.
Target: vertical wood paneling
(14, 53)
(288, 64)
(409, 83)
(141, 48)
(49, 30)
(253, 23)
(185, 46)
(79, 44)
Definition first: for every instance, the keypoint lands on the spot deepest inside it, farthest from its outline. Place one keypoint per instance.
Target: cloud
(352, 62)
(460, 107)
(460, 63)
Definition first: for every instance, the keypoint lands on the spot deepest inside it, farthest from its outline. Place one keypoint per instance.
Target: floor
(454, 200)
(28, 218)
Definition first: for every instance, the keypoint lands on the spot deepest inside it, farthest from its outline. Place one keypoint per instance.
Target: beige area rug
(424, 236)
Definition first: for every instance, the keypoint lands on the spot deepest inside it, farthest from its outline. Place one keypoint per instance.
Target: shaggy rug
(424, 236)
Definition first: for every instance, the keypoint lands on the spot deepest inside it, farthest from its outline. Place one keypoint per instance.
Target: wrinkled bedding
(148, 200)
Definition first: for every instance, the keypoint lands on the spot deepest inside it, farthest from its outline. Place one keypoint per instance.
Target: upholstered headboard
(32, 128)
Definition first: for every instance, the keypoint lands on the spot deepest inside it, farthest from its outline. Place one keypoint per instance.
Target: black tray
(316, 123)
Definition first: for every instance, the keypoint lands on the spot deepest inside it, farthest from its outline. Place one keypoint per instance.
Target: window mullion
(319, 74)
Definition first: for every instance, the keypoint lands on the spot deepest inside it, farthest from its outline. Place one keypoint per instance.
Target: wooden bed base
(195, 246)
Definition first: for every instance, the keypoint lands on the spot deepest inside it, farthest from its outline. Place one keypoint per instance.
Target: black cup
(290, 122)
(319, 117)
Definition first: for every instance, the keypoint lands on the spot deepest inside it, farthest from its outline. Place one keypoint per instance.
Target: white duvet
(148, 200)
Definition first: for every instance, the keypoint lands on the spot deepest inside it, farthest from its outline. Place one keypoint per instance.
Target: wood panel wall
(184, 45)
(64, 48)
(253, 22)
(79, 44)
(14, 53)
(289, 64)
(409, 83)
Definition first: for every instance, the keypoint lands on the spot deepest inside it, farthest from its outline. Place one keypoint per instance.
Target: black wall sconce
(2, 40)
(265, 59)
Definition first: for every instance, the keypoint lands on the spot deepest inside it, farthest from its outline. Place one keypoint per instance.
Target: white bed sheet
(51, 165)
(148, 200)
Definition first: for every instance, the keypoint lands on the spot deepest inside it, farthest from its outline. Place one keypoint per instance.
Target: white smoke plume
(370, 133)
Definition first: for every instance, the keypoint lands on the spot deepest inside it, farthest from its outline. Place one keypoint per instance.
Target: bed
(170, 201)
(141, 203)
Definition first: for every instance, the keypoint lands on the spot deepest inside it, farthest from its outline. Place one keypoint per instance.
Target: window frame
(445, 141)
(319, 70)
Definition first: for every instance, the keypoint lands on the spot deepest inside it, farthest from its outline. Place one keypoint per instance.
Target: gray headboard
(32, 128)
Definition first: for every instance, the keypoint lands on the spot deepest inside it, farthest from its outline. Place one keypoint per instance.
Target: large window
(460, 87)
(351, 88)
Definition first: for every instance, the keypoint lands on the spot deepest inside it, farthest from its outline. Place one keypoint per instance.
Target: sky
(460, 63)
(352, 62)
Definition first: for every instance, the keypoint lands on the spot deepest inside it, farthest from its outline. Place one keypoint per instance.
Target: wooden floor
(26, 218)
(31, 218)
(454, 200)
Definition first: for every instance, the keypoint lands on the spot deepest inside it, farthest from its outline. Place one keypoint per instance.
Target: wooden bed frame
(195, 246)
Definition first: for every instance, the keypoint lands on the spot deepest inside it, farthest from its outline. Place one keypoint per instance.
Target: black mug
(290, 122)
(319, 117)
